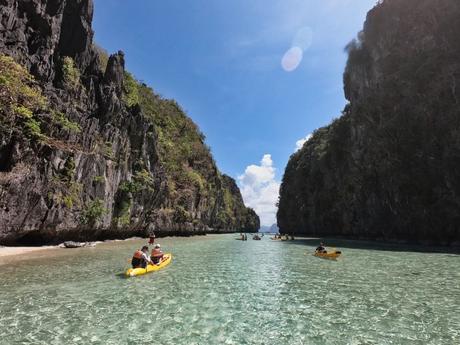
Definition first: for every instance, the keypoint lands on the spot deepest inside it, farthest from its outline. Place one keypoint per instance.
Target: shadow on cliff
(373, 245)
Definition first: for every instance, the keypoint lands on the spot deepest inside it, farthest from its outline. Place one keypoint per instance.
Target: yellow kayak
(329, 255)
(132, 272)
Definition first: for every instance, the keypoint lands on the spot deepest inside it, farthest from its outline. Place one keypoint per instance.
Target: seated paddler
(157, 254)
(141, 258)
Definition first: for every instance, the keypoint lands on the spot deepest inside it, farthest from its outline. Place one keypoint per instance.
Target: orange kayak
(328, 255)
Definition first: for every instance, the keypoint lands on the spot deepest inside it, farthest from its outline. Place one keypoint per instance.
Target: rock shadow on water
(375, 245)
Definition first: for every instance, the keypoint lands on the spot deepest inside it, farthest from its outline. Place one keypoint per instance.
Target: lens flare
(292, 59)
(303, 38)
(301, 42)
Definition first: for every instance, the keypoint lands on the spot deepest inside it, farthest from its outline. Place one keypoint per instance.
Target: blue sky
(222, 61)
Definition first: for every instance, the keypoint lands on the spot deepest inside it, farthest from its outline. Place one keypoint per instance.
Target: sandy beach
(11, 251)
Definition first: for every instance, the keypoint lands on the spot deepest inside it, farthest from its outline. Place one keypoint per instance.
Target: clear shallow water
(222, 291)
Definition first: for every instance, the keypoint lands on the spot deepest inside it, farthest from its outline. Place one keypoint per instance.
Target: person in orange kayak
(141, 258)
(157, 254)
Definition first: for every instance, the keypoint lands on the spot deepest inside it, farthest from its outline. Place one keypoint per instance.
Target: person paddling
(141, 258)
(157, 254)
(321, 248)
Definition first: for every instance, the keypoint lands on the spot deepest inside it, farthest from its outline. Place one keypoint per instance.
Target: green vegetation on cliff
(188, 165)
(20, 99)
(24, 108)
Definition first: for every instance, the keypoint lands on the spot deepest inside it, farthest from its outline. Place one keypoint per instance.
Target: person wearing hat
(157, 254)
(141, 258)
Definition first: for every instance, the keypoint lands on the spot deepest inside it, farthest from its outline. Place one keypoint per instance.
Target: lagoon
(222, 291)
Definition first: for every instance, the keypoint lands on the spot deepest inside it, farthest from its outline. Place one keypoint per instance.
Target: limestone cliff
(389, 167)
(87, 151)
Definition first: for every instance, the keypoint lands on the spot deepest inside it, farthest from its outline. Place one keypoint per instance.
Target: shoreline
(9, 251)
(6, 251)
(36, 239)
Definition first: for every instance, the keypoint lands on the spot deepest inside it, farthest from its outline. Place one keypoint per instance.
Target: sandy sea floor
(221, 291)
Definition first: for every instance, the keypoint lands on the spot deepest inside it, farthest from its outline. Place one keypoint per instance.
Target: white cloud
(260, 189)
(299, 143)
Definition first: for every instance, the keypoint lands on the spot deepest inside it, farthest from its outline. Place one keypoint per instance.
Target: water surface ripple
(222, 291)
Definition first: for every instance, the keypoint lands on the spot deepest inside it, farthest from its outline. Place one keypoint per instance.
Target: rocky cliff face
(389, 167)
(88, 152)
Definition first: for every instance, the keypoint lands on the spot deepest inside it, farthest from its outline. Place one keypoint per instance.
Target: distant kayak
(329, 255)
(282, 238)
(132, 272)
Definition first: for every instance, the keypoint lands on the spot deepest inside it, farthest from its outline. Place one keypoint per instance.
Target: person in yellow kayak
(321, 248)
(157, 254)
(141, 258)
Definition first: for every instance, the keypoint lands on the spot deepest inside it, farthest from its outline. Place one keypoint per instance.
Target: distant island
(388, 167)
(273, 229)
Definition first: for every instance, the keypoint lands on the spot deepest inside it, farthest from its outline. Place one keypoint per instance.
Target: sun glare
(292, 59)
(301, 42)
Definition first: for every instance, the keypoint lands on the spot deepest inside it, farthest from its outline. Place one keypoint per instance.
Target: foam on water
(222, 291)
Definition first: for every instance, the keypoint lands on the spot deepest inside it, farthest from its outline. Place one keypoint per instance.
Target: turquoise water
(222, 291)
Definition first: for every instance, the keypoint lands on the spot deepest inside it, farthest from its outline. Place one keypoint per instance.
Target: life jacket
(137, 259)
(156, 252)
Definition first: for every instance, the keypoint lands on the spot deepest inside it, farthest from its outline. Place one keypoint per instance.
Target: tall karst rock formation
(389, 167)
(88, 152)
